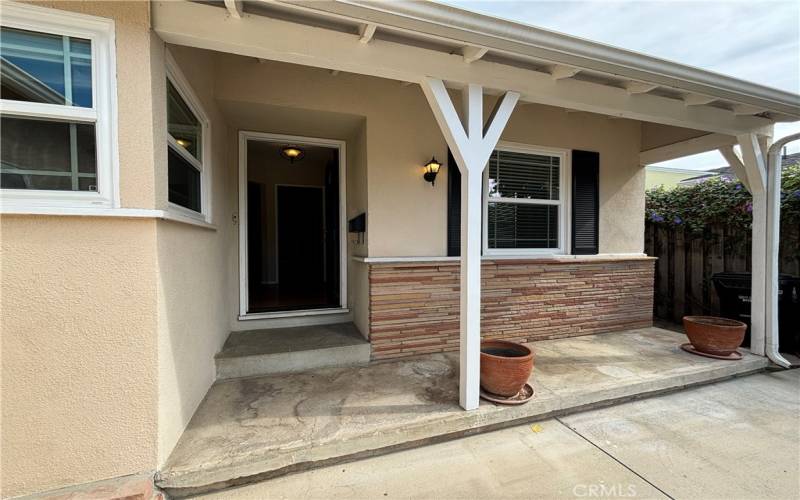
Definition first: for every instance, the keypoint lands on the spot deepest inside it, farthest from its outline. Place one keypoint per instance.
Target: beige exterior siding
(406, 216)
(194, 311)
(79, 371)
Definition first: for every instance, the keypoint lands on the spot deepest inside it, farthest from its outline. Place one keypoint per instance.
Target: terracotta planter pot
(718, 336)
(505, 367)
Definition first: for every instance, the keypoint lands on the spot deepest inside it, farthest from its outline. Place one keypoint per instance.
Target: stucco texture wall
(406, 216)
(193, 308)
(78, 350)
(401, 136)
(78, 300)
(621, 177)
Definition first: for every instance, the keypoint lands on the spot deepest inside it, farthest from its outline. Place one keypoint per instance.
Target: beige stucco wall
(78, 350)
(407, 216)
(194, 311)
(621, 178)
(79, 378)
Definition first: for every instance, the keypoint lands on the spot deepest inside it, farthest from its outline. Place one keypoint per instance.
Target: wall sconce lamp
(292, 153)
(431, 169)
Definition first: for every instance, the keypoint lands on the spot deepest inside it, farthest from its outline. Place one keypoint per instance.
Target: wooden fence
(686, 263)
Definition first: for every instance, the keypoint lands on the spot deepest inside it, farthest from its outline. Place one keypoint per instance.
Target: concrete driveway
(734, 439)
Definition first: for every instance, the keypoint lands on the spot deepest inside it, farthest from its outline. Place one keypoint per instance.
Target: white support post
(772, 255)
(471, 144)
(756, 170)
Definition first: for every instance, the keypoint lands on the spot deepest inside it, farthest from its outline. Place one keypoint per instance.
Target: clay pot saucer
(734, 356)
(522, 397)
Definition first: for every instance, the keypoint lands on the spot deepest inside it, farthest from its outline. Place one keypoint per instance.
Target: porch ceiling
(408, 41)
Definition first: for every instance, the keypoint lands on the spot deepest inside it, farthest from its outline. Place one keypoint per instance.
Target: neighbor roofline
(504, 36)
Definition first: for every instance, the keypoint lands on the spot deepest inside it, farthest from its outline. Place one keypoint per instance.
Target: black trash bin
(734, 291)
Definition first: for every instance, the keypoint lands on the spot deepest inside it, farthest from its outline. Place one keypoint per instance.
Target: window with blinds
(524, 200)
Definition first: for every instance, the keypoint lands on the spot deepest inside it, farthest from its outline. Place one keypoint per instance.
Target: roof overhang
(409, 41)
(517, 39)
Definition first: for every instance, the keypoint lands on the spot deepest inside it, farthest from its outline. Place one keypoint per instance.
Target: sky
(758, 41)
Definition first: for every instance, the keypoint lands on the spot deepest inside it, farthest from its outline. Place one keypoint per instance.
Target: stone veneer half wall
(414, 307)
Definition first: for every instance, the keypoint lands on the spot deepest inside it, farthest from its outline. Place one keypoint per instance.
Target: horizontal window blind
(524, 176)
(514, 225)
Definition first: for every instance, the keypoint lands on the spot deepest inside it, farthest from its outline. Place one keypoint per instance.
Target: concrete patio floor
(736, 439)
(257, 428)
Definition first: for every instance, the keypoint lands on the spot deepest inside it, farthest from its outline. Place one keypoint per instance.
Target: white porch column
(471, 144)
(755, 167)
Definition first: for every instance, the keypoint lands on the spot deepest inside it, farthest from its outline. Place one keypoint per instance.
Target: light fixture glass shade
(292, 153)
(431, 169)
(433, 166)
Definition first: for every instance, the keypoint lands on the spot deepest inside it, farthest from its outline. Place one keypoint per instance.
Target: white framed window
(525, 201)
(188, 148)
(58, 111)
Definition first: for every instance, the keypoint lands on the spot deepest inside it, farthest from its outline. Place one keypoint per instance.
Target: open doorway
(291, 234)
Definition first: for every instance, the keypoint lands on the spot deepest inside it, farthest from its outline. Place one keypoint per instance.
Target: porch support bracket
(234, 8)
(735, 162)
(471, 142)
(755, 166)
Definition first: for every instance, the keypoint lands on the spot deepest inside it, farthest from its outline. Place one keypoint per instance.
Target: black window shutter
(585, 202)
(453, 207)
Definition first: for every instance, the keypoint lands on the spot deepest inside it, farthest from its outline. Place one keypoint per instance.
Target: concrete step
(291, 350)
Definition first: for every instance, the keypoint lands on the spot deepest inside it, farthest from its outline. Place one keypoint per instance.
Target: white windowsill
(129, 213)
(81, 211)
(401, 260)
(173, 216)
(177, 213)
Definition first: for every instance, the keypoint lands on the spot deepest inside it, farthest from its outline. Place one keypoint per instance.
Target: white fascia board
(500, 35)
(695, 145)
(279, 40)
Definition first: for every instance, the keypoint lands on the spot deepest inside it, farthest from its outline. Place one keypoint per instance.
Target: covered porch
(422, 281)
(250, 429)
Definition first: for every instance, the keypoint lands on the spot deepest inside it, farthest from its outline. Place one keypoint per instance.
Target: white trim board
(533, 257)
(244, 301)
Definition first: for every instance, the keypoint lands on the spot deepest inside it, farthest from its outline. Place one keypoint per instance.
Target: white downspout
(773, 239)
